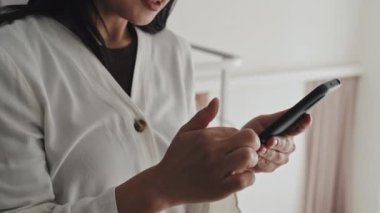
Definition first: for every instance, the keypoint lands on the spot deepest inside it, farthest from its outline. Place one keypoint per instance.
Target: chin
(143, 20)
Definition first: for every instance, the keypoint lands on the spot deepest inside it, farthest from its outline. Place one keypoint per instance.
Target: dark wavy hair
(77, 15)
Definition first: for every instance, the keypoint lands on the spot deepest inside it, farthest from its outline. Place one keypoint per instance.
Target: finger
(273, 156)
(264, 121)
(237, 182)
(281, 144)
(202, 118)
(263, 165)
(300, 126)
(240, 160)
(220, 133)
(244, 138)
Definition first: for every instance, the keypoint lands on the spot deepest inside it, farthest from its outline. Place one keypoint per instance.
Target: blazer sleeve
(25, 182)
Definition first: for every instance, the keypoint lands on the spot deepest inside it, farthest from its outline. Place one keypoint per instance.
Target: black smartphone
(297, 111)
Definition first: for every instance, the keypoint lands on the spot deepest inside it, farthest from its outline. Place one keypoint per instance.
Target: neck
(112, 28)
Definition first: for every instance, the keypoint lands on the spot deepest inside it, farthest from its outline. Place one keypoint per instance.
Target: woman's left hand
(277, 150)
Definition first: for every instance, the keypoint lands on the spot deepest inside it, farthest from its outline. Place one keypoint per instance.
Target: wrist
(144, 192)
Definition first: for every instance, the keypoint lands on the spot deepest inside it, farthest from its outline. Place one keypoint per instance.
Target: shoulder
(23, 39)
(21, 31)
(26, 37)
(20, 43)
(36, 41)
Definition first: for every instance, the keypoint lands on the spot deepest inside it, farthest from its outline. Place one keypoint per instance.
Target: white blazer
(69, 134)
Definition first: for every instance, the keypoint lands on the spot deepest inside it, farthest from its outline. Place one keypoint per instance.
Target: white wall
(284, 187)
(366, 158)
(273, 34)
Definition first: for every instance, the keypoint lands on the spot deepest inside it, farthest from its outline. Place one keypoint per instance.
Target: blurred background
(286, 48)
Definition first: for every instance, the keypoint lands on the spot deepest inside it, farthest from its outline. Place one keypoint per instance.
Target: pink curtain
(329, 144)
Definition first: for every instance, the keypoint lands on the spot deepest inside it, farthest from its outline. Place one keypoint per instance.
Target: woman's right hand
(206, 164)
(202, 164)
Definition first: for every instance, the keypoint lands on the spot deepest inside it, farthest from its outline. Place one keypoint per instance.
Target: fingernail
(275, 142)
(254, 157)
(263, 150)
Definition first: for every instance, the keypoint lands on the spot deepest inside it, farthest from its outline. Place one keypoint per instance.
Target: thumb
(203, 117)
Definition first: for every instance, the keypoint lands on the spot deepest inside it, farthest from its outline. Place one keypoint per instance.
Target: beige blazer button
(140, 125)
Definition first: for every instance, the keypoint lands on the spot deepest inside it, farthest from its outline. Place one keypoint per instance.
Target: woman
(94, 115)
